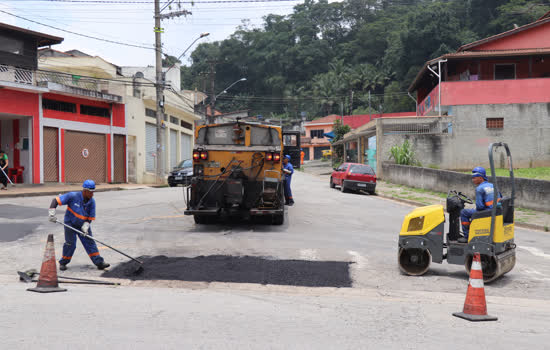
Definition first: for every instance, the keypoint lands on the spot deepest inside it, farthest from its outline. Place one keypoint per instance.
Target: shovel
(137, 271)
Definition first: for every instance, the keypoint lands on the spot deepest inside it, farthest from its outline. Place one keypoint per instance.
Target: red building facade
(53, 127)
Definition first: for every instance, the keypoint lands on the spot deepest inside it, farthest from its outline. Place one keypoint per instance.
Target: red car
(354, 177)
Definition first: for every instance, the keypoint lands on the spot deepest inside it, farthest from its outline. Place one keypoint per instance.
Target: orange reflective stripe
(58, 200)
(66, 257)
(77, 215)
(489, 203)
(91, 218)
(94, 254)
(465, 223)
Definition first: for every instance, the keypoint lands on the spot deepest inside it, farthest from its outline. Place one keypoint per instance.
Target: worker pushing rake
(78, 217)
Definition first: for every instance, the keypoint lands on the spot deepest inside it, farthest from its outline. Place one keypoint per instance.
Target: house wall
(527, 39)
(530, 193)
(526, 130)
(316, 142)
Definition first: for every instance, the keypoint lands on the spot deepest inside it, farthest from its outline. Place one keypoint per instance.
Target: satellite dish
(139, 75)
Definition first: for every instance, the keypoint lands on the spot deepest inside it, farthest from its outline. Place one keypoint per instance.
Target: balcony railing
(16, 75)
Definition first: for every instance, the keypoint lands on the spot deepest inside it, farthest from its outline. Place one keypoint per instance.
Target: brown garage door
(51, 155)
(85, 157)
(120, 158)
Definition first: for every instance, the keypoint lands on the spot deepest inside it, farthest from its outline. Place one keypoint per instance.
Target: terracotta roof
(477, 54)
(43, 39)
(537, 23)
(546, 15)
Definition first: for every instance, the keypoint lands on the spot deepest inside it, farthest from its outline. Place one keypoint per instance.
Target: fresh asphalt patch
(17, 212)
(238, 269)
(13, 231)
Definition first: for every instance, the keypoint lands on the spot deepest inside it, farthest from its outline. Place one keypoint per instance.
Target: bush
(404, 154)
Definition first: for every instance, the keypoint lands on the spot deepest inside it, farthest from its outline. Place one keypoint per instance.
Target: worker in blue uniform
(485, 199)
(80, 213)
(288, 170)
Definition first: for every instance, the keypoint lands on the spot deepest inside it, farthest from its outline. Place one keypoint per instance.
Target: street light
(187, 49)
(213, 100)
(224, 91)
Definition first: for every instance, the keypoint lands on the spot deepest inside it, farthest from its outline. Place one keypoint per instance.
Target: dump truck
(237, 172)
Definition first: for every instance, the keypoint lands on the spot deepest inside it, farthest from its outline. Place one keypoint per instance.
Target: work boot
(62, 267)
(290, 203)
(102, 266)
(462, 240)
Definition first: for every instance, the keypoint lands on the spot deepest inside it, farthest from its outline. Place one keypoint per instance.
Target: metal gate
(173, 148)
(371, 153)
(185, 147)
(150, 147)
(85, 157)
(119, 158)
(51, 154)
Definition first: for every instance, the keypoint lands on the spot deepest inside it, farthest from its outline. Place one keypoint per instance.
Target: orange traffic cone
(47, 283)
(475, 307)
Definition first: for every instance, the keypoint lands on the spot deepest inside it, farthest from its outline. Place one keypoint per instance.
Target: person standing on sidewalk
(80, 213)
(4, 162)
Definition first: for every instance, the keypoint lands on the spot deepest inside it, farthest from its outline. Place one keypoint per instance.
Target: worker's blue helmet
(287, 157)
(479, 171)
(89, 185)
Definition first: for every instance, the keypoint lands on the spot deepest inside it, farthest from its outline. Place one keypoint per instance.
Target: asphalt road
(382, 308)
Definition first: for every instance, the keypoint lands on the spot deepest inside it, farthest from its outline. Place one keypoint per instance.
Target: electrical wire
(79, 34)
(131, 2)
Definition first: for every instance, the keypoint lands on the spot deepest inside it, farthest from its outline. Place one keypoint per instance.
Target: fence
(16, 75)
(416, 126)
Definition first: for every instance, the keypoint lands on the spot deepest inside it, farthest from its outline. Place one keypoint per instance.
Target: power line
(79, 34)
(150, 2)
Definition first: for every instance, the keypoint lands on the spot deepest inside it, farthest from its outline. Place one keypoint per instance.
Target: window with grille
(173, 120)
(317, 133)
(95, 111)
(494, 123)
(58, 106)
(150, 113)
(186, 125)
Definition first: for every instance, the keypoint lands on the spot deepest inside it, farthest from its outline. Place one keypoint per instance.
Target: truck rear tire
(278, 219)
(199, 219)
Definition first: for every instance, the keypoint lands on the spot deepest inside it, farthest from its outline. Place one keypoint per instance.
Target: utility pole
(212, 75)
(159, 84)
(160, 95)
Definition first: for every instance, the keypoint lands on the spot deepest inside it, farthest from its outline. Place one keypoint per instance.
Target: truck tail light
(204, 155)
(276, 157)
(269, 156)
(196, 155)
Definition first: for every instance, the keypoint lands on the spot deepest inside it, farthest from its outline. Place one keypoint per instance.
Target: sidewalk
(526, 218)
(24, 190)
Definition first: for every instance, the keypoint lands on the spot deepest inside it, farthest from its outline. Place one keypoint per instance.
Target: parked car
(354, 177)
(326, 153)
(181, 174)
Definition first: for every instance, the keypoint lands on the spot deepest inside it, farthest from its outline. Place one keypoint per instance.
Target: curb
(53, 193)
(418, 204)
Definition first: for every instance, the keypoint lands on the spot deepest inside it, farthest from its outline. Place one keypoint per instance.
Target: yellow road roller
(422, 239)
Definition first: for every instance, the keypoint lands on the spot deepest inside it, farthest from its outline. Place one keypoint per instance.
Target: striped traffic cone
(475, 307)
(47, 283)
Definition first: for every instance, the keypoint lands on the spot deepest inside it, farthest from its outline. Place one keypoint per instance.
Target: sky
(133, 23)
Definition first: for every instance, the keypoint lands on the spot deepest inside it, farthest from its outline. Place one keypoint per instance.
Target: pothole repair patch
(237, 269)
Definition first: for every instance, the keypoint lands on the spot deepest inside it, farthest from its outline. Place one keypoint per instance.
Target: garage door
(119, 158)
(51, 155)
(185, 147)
(85, 157)
(173, 148)
(150, 147)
